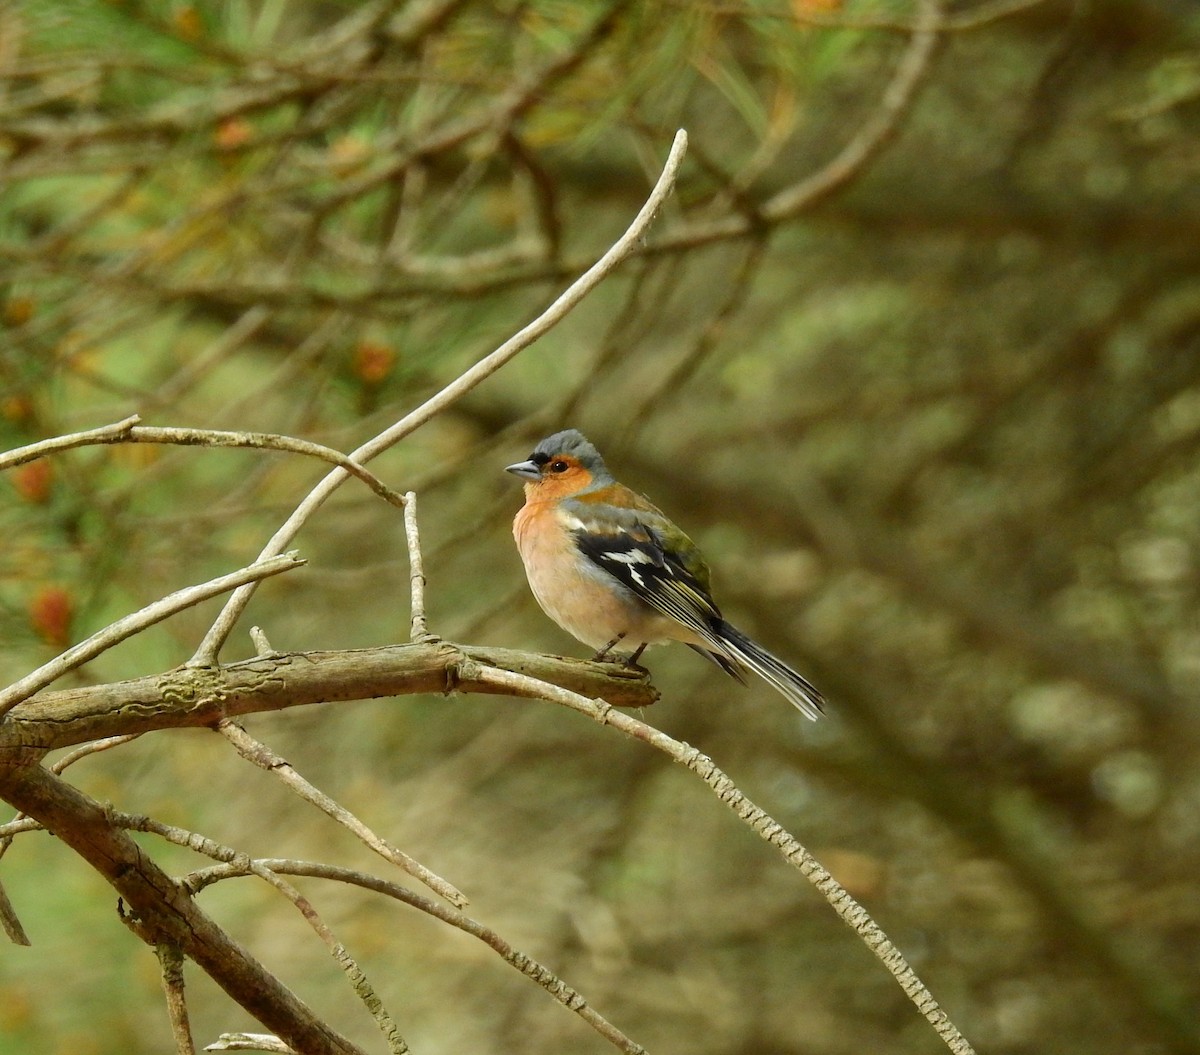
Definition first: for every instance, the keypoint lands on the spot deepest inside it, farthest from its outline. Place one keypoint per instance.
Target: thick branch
(162, 905)
(199, 696)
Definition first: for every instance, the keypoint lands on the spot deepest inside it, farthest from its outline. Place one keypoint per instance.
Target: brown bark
(161, 907)
(200, 696)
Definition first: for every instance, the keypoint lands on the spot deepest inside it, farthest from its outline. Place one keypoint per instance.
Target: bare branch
(93, 748)
(262, 756)
(192, 697)
(161, 904)
(206, 654)
(768, 829)
(234, 864)
(246, 866)
(117, 432)
(129, 431)
(16, 826)
(135, 623)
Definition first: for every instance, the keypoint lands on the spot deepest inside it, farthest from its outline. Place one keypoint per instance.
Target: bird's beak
(530, 470)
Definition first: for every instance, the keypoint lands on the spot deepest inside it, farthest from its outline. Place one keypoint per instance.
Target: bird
(611, 569)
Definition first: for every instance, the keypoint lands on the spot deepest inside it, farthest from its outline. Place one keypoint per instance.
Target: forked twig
(138, 621)
(358, 980)
(234, 864)
(529, 967)
(210, 848)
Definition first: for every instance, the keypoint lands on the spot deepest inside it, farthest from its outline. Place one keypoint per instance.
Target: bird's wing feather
(631, 545)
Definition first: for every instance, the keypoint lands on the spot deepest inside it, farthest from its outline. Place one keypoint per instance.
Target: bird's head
(562, 464)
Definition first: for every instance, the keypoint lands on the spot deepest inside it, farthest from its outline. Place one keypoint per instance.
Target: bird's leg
(603, 653)
(632, 661)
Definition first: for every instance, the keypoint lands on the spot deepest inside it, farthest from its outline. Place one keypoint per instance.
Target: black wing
(635, 556)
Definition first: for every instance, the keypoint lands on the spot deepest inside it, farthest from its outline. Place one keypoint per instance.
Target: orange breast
(578, 595)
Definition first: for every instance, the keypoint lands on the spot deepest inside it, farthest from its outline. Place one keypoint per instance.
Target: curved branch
(206, 654)
(130, 431)
(764, 826)
(879, 128)
(849, 163)
(529, 967)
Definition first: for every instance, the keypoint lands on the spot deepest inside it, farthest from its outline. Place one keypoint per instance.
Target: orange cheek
(555, 485)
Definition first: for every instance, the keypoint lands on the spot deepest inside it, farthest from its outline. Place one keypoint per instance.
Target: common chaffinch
(609, 567)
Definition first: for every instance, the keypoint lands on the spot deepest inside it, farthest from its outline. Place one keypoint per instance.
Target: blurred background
(934, 420)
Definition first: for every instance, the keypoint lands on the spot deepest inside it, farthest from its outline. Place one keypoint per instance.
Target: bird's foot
(602, 656)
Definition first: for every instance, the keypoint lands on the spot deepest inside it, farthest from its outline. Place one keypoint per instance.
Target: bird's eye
(559, 467)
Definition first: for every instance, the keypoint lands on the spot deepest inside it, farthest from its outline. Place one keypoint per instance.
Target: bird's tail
(794, 687)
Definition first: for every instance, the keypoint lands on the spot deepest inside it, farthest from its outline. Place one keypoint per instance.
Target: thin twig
(206, 654)
(358, 980)
(20, 823)
(876, 131)
(234, 864)
(266, 441)
(117, 432)
(540, 974)
(416, 572)
(94, 748)
(262, 756)
(135, 623)
(129, 431)
(170, 959)
(767, 829)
